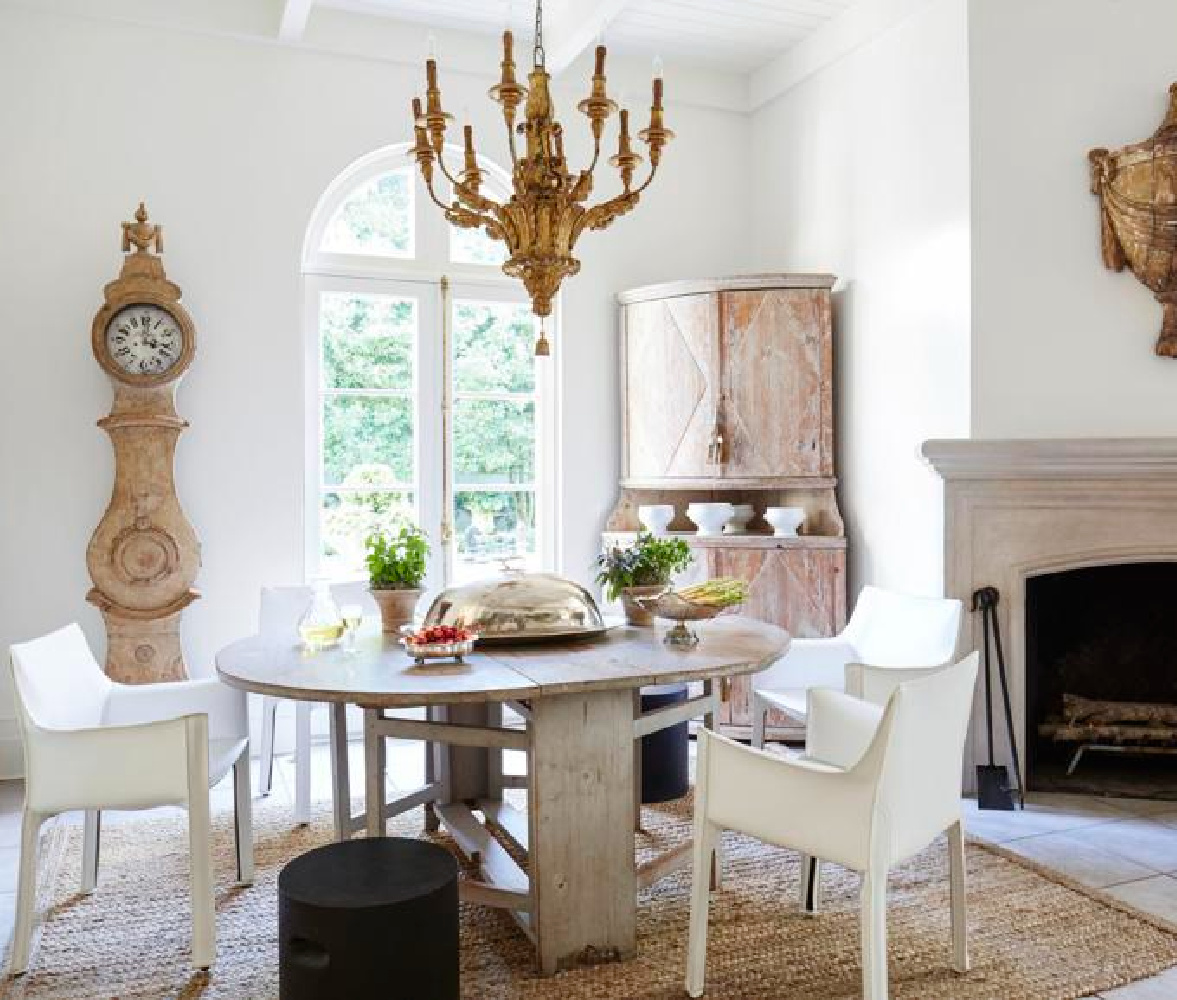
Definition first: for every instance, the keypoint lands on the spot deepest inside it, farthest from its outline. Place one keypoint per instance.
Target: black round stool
(369, 918)
(666, 757)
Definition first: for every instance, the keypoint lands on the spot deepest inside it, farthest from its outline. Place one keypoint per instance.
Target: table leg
(637, 766)
(375, 786)
(432, 750)
(340, 778)
(581, 817)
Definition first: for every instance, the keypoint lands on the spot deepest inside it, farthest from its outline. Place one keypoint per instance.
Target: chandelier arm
(433, 194)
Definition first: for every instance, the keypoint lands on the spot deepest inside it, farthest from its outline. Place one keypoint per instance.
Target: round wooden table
(580, 702)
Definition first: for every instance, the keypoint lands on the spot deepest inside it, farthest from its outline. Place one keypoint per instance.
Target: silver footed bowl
(678, 609)
(523, 607)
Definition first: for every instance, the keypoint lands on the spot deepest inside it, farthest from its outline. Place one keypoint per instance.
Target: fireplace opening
(1101, 680)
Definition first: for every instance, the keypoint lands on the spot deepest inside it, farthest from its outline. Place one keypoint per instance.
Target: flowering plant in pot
(643, 569)
(396, 567)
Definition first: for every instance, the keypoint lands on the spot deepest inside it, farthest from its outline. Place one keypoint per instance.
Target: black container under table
(369, 918)
(666, 757)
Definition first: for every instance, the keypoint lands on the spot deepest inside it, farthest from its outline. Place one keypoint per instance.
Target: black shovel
(994, 788)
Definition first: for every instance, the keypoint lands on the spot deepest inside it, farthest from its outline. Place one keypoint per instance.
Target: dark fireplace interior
(1101, 677)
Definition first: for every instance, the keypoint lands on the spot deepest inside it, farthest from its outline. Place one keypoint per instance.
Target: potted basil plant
(396, 567)
(643, 569)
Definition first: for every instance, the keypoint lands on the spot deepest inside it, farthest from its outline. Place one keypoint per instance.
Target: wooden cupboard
(727, 395)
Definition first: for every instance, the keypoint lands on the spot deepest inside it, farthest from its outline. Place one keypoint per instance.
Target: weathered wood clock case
(727, 395)
(144, 555)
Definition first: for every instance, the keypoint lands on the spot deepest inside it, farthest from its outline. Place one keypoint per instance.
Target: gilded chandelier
(548, 208)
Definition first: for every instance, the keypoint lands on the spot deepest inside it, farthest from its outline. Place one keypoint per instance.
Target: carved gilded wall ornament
(144, 555)
(1137, 189)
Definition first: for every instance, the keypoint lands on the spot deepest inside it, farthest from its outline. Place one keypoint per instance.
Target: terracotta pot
(635, 614)
(396, 607)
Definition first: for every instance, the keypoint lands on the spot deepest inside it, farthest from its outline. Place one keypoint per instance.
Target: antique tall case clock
(144, 555)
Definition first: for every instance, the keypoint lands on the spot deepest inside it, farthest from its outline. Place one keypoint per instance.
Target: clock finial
(141, 233)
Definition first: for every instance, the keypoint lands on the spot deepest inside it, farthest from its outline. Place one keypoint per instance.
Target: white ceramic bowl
(785, 520)
(656, 517)
(710, 517)
(737, 524)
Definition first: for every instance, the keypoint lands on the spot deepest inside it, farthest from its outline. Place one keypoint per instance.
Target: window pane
(494, 441)
(346, 518)
(367, 341)
(377, 218)
(494, 347)
(490, 527)
(473, 246)
(362, 432)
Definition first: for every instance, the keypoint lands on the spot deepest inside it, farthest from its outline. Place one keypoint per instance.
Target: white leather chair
(91, 744)
(886, 629)
(875, 786)
(280, 611)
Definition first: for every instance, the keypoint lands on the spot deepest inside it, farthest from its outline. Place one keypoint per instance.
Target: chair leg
(26, 892)
(204, 928)
(91, 836)
(265, 779)
(302, 763)
(705, 856)
(759, 719)
(809, 899)
(243, 818)
(958, 884)
(874, 934)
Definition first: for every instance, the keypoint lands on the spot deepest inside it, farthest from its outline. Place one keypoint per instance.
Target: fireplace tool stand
(994, 790)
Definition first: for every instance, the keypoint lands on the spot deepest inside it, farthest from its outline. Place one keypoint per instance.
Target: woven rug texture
(1032, 936)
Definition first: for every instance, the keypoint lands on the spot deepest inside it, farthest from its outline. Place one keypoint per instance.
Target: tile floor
(1125, 847)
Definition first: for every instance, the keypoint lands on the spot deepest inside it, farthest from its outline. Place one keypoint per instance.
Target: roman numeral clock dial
(144, 555)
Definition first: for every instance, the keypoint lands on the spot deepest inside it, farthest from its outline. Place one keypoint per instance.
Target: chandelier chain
(539, 53)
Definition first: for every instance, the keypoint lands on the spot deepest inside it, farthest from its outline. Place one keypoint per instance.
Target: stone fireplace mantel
(1015, 509)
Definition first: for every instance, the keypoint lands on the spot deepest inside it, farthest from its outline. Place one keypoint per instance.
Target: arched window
(425, 402)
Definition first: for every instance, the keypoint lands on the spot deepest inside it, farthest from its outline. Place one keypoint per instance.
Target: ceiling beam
(294, 20)
(577, 29)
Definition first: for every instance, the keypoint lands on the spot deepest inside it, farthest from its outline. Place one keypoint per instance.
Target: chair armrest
(808, 663)
(840, 727)
(224, 706)
(802, 804)
(110, 766)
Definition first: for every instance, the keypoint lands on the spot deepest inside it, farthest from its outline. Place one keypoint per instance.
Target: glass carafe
(322, 625)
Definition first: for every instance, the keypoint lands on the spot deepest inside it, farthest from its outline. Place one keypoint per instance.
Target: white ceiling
(734, 35)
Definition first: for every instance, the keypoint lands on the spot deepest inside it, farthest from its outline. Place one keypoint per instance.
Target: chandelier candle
(548, 207)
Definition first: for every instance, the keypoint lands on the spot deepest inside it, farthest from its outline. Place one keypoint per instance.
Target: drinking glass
(353, 617)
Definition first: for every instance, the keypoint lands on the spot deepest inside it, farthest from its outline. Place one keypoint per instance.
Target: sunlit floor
(1125, 847)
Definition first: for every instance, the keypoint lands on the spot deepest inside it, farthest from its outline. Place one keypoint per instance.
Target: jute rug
(1032, 936)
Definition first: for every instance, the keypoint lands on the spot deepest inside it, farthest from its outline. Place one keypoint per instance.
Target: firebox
(1101, 680)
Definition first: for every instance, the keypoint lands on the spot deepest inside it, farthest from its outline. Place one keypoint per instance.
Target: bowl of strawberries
(438, 642)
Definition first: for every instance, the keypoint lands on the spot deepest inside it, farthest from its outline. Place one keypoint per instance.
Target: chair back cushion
(59, 684)
(897, 630)
(924, 730)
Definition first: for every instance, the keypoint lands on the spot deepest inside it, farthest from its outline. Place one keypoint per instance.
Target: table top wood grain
(380, 674)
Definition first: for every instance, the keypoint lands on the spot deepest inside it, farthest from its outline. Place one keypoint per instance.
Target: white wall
(231, 143)
(1062, 347)
(862, 170)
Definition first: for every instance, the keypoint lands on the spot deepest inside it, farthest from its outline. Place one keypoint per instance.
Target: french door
(428, 405)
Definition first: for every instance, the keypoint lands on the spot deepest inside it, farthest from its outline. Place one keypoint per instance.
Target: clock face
(144, 340)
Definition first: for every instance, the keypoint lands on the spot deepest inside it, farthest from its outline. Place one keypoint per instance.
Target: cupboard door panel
(798, 589)
(776, 397)
(670, 365)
